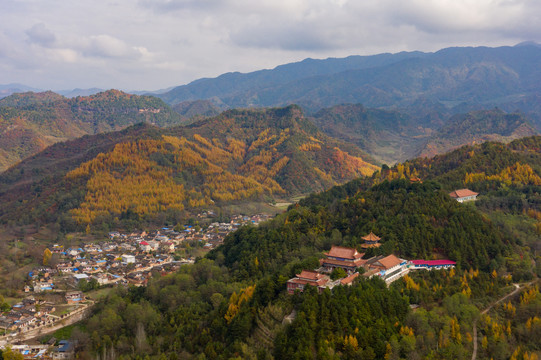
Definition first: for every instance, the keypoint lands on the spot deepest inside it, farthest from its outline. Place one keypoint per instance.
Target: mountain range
(392, 106)
(464, 78)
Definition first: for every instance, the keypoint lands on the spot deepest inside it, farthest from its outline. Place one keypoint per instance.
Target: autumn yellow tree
(47, 255)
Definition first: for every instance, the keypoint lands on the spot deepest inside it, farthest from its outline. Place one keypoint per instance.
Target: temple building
(348, 259)
(390, 268)
(308, 277)
(371, 241)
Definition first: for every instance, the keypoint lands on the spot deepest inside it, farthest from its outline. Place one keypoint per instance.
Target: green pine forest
(232, 303)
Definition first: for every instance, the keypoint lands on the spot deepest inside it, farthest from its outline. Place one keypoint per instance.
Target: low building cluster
(389, 268)
(131, 258)
(26, 315)
(64, 349)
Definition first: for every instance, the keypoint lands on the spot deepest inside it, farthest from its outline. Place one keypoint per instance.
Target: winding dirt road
(487, 309)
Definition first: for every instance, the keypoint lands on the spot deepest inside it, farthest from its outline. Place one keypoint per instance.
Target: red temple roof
(371, 237)
(351, 264)
(344, 253)
(349, 279)
(390, 261)
(310, 275)
(387, 262)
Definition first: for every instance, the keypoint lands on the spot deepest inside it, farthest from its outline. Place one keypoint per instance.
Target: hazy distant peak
(528, 43)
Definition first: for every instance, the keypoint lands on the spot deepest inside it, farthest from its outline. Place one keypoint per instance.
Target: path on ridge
(487, 309)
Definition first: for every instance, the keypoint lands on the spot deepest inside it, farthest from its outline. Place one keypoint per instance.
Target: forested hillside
(389, 136)
(29, 122)
(238, 156)
(233, 302)
(422, 130)
(477, 127)
(507, 177)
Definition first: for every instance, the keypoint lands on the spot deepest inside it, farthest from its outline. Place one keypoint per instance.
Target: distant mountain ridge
(224, 86)
(29, 122)
(476, 78)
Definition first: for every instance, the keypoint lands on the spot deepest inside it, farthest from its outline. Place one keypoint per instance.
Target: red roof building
(463, 195)
(386, 263)
(307, 277)
(349, 279)
(348, 259)
(371, 241)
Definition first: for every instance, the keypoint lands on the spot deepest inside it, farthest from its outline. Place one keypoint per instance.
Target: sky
(156, 44)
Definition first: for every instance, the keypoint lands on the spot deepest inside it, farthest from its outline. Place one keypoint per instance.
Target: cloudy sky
(153, 44)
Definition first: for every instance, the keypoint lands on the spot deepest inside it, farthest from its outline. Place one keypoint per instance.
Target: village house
(92, 248)
(168, 246)
(74, 297)
(57, 249)
(348, 259)
(65, 350)
(7, 324)
(73, 251)
(463, 195)
(40, 286)
(128, 259)
(78, 277)
(127, 247)
(145, 246)
(109, 247)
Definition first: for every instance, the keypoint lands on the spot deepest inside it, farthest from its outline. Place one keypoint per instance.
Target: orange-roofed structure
(346, 258)
(386, 263)
(307, 277)
(371, 241)
(389, 267)
(463, 195)
(349, 279)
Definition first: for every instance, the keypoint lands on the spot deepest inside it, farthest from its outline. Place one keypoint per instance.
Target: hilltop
(142, 172)
(29, 122)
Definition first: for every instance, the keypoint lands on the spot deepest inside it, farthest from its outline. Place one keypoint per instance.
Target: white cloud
(41, 35)
(159, 43)
(106, 46)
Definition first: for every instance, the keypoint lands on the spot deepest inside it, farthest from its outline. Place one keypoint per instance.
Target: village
(56, 292)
